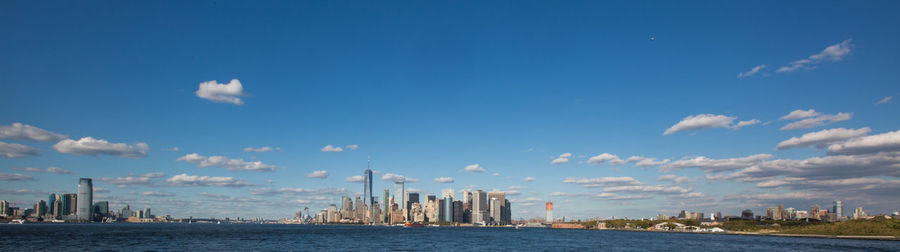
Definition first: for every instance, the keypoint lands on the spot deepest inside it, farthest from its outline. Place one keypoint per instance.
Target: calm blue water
(140, 237)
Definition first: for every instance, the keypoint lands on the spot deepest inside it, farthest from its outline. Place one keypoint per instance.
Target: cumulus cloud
(833, 53)
(158, 194)
(674, 178)
(356, 179)
(443, 180)
(11, 150)
(705, 121)
(884, 142)
(318, 174)
(14, 177)
(225, 163)
(330, 148)
(21, 131)
(217, 92)
(562, 159)
(89, 146)
(352, 147)
(474, 168)
(715, 165)
(752, 71)
(828, 167)
(822, 138)
(645, 161)
(602, 181)
(884, 100)
(746, 123)
(192, 180)
(56, 170)
(397, 178)
(261, 149)
(812, 119)
(146, 179)
(529, 179)
(606, 157)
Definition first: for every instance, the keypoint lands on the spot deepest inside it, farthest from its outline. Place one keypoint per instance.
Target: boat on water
(17, 221)
(410, 224)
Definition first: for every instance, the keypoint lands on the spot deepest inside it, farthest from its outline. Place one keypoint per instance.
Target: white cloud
(822, 138)
(397, 178)
(172, 149)
(884, 100)
(800, 114)
(144, 179)
(356, 179)
(752, 71)
(261, 149)
(674, 178)
(11, 150)
(746, 123)
(158, 194)
(474, 168)
(191, 180)
(225, 163)
(21, 131)
(645, 161)
(89, 146)
(562, 159)
(14, 177)
(701, 122)
(602, 181)
(318, 174)
(352, 147)
(217, 92)
(529, 179)
(818, 120)
(606, 157)
(443, 180)
(330, 148)
(716, 165)
(56, 170)
(884, 142)
(832, 53)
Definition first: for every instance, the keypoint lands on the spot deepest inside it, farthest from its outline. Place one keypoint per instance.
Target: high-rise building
(4, 208)
(457, 211)
(40, 208)
(411, 198)
(70, 201)
(780, 215)
(101, 210)
(497, 214)
(479, 207)
(747, 214)
(368, 196)
(400, 197)
(387, 206)
(814, 212)
(506, 213)
(447, 209)
(85, 203)
(549, 207)
(346, 207)
(495, 209)
(838, 209)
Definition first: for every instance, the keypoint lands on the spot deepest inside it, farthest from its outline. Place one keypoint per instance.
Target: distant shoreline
(852, 237)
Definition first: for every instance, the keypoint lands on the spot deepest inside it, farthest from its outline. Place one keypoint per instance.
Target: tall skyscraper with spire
(368, 196)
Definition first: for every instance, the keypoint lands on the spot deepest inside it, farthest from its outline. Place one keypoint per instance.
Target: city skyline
(242, 110)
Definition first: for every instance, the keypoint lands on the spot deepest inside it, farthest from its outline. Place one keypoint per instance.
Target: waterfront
(127, 237)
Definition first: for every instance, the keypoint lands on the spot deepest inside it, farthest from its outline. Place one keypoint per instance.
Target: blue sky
(429, 88)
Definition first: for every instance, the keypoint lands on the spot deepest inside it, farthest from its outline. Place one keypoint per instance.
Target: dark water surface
(244, 237)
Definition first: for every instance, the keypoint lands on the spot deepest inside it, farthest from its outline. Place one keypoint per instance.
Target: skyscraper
(497, 214)
(411, 198)
(387, 206)
(85, 203)
(448, 209)
(838, 209)
(400, 196)
(70, 201)
(368, 196)
(4, 208)
(479, 206)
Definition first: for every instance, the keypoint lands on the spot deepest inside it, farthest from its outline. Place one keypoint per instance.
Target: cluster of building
(476, 207)
(74, 207)
(779, 213)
